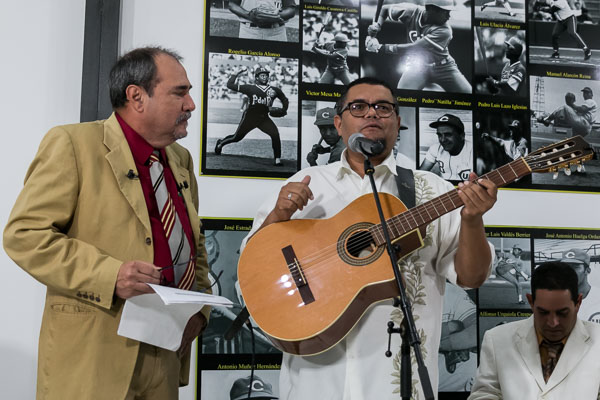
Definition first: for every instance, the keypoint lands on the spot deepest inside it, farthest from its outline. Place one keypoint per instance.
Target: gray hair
(137, 67)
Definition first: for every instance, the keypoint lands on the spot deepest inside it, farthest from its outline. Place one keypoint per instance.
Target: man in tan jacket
(88, 226)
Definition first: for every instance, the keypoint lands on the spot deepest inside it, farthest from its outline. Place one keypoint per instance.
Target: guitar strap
(406, 186)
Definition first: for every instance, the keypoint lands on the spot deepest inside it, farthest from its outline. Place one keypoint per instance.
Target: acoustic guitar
(307, 282)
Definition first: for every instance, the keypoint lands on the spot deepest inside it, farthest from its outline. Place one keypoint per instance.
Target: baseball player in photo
(426, 47)
(510, 267)
(263, 19)
(565, 21)
(260, 107)
(330, 135)
(336, 53)
(580, 118)
(452, 157)
(514, 144)
(500, 3)
(513, 75)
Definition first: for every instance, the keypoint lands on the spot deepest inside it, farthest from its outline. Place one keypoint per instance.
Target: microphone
(132, 175)
(237, 324)
(367, 147)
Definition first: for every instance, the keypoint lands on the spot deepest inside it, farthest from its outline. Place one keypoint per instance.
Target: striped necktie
(182, 256)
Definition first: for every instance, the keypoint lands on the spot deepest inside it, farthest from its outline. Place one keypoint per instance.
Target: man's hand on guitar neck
(473, 257)
(292, 197)
(478, 196)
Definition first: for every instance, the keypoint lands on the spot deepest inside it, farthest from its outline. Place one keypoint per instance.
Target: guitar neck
(425, 213)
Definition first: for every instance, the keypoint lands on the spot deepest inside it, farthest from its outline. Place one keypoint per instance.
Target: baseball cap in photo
(576, 256)
(448, 5)
(516, 43)
(325, 116)
(260, 389)
(587, 89)
(448, 119)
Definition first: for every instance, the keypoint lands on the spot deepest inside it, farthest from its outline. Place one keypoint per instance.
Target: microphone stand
(408, 331)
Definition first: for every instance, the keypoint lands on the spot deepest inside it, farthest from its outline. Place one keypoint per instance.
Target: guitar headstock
(560, 155)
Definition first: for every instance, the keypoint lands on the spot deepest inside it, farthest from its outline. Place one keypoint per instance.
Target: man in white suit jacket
(511, 366)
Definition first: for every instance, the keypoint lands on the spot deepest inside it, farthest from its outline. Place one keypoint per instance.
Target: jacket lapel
(575, 348)
(121, 161)
(528, 347)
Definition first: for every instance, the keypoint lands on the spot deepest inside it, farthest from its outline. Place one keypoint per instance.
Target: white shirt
(454, 168)
(356, 368)
(564, 10)
(590, 115)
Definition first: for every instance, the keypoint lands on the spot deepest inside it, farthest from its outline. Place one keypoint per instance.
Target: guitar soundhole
(356, 246)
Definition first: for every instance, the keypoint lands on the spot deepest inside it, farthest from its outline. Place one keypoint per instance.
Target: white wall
(42, 47)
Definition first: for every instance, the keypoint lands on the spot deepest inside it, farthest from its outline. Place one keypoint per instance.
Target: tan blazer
(78, 218)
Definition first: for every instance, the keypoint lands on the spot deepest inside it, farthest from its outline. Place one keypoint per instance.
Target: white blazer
(510, 366)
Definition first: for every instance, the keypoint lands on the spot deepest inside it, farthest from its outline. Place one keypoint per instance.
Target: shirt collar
(344, 167)
(140, 148)
(540, 338)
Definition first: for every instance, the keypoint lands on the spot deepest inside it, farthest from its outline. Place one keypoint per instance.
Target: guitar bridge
(297, 274)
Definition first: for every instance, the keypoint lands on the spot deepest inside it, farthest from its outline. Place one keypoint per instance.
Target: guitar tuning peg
(568, 171)
(580, 168)
(555, 175)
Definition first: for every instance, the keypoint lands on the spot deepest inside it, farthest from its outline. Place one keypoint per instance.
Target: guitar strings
(310, 263)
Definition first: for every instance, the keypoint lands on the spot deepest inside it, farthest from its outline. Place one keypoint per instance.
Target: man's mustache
(183, 117)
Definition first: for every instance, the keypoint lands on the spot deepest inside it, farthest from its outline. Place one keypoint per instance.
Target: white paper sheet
(160, 318)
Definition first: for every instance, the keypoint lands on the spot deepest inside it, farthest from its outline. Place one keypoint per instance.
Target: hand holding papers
(160, 318)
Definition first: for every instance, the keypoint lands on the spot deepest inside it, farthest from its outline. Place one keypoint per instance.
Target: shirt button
(148, 241)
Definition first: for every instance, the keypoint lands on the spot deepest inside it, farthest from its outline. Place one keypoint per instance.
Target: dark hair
(339, 104)
(555, 275)
(137, 67)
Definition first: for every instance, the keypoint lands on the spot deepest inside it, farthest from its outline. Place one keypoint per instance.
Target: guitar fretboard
(423, 214)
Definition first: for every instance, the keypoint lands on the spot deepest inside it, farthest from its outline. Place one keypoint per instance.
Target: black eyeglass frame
(369, 105)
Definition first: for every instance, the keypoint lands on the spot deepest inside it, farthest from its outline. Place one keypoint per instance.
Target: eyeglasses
(164, 281)
(382, 109)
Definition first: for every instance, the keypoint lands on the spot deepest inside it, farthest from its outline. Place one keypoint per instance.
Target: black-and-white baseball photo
(584, 257)
(238, 384)
(562, 108)
(500, 138)
(332, 3)
(457, 357)
(405, 150)
(562, 32)
(222, 246)
(500, 60)
(446, 142)
(500, 10)
(418, 45)
(330, 47)
(275, 20)
(497, 318)
(252, 120)
(321, 143)
(509, 281)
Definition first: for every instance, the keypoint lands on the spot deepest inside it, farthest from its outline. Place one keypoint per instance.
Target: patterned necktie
(554, 350)
(182, 256)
